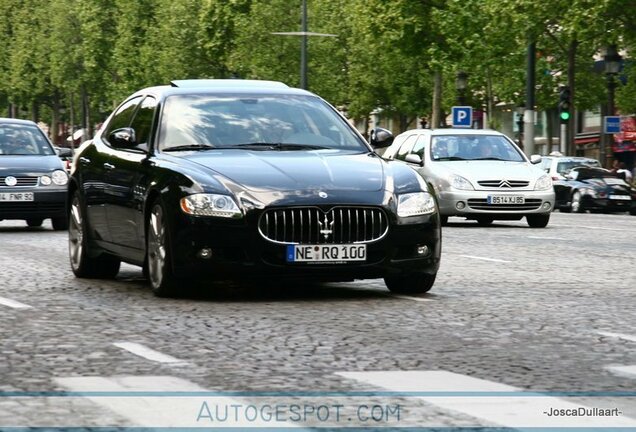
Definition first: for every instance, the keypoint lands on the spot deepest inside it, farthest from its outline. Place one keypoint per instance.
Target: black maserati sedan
(234, 179)
(594, 189)
(33, 182)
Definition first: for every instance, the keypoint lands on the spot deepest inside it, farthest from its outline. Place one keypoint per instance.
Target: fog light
(205, 253)
(546, 206)
(460, 205)
(422, 250)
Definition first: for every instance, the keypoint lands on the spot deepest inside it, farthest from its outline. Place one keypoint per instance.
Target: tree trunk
(55, 119)
(571, 129)
(437, 100)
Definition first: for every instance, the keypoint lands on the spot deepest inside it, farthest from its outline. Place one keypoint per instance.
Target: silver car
(478, 174)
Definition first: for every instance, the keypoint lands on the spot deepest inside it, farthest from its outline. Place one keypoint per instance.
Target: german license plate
(506, 199)
(620, 197)
(16, 196)
(326, 253)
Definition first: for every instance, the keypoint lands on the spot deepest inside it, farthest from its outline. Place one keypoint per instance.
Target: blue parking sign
(462, 116)
(612, 124)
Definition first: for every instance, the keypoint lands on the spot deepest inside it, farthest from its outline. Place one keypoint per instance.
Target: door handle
(109, 166)
(84, 160)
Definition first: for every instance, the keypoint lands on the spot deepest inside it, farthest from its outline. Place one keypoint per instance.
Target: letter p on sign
(462, 116)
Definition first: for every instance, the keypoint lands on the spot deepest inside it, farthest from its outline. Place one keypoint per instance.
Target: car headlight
(415, 204)
(59, 177)
(45, 180)
(210, 205)
(544, 183)
(459, 182)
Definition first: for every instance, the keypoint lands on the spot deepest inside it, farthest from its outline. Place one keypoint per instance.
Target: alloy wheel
(76, 234)
(576, 202)
(156, 247)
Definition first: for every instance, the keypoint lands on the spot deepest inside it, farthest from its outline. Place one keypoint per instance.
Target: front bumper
(609, 205)
(48, 202)
(476, 203)
(239, 251)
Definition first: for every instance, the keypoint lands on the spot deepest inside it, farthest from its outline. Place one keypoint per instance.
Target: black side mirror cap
(64, 152)
(123, 138)
(381, 137)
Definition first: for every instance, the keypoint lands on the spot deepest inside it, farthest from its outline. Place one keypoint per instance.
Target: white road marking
(13, 304)
(618, 336)
(514, 411)
(159, 406)
(485, 259)
(419, 299)
(546, 238)
(150, 354)
(592, 227)
(628, 371)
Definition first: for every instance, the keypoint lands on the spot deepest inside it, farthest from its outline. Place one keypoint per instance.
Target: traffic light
(564, 104)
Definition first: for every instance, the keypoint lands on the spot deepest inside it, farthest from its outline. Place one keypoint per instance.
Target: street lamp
(612, 60)
(303, 44)
(461, 82)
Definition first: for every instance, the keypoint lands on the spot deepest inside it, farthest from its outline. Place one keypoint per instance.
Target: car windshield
(473, 147)
(21, 139)
(253, 122)
(566, 166)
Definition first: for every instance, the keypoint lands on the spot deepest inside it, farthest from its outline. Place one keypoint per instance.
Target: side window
(142, 123)
(122, 117)
(406, 147)
(389, 153)
(418, 148)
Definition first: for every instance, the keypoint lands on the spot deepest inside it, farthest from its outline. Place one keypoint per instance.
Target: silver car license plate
(326, 253)
(16, 196)
(506, 199)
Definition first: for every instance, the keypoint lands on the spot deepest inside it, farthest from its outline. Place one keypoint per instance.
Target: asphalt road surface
(514, 311)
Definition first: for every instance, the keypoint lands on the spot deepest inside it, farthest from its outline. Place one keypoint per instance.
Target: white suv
(477, 174)
(558, 166)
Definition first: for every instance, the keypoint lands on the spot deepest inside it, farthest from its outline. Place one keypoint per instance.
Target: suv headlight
(544, 183)
(415, 204)
(210, 205)
(459, 182)
(59, 177)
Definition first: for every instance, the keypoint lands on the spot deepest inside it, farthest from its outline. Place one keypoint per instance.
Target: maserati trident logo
(504, 184)
(326, 227)
(322, 194)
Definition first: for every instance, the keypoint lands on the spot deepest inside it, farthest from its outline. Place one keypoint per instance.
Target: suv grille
(311, 225)
(22, 181)
(503, 183)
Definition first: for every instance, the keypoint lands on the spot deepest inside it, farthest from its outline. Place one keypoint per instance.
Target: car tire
(577, 202)
(34, 222)
(60, 223)
(538, 220)
(414, 283)
(484, 221)
(83, 262)
(158, 253)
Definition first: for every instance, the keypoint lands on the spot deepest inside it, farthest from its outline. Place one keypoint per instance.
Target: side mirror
(123, 138)
(64, 152)
(381, 138)
(535, 159)
(413, 158)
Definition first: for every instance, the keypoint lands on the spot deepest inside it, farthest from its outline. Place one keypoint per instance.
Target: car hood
(489, 170)
(25, 165)
(296, 170)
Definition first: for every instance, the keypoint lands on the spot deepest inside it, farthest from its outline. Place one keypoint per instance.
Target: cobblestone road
(534, 309)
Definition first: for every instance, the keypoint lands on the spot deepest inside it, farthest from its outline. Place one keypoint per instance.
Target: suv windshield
(23, 139)
(473, 147)
(253, 122)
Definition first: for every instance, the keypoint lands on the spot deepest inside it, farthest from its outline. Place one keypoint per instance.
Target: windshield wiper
(450, 158)
(282, 146)
(491, 158)
(189, 147)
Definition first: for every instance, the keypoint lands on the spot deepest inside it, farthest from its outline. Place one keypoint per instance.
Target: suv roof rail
(226, 83)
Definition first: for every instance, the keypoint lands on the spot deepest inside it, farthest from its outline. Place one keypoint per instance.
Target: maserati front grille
(312, 225)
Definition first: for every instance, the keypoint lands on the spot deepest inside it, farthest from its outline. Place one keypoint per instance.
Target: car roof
(453, 131)
(222, 86)
(6, 120)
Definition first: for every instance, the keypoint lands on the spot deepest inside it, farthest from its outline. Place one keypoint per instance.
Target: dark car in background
(225, 179)
(594, 189)
(33, 182)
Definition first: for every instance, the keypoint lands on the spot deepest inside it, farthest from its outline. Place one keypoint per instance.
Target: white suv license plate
(16, 196)
(506, 199)
(326, 253)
